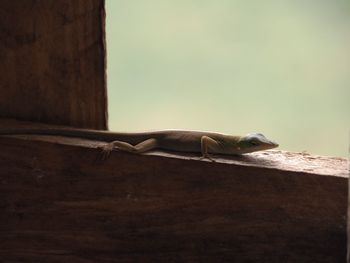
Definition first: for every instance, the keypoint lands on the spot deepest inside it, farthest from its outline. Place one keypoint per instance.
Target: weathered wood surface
(61, 203)
(52, 57)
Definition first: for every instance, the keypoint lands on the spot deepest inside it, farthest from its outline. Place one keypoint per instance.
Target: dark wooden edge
(104, 52)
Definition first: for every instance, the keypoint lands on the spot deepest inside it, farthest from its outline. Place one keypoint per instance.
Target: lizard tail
(132, 138)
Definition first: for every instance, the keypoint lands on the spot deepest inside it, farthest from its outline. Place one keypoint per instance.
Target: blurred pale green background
(233, 66)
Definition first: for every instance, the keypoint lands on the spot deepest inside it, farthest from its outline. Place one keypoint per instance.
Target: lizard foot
(106, 150)
(207, 156)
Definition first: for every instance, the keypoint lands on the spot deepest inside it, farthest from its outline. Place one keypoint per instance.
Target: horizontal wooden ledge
(57, 195)
(272, 159)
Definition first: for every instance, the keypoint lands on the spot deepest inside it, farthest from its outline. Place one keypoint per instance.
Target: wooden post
(52, 55)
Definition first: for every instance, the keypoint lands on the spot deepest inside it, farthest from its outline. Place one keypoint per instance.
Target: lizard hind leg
(145, 146)
(141, 147)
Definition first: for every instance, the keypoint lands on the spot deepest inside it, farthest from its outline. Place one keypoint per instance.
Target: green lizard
(172, 140)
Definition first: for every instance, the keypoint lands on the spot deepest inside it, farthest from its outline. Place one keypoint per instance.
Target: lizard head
(255, 142)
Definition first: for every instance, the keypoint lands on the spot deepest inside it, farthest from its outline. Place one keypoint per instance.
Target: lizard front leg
(141, 147)
(208, 144)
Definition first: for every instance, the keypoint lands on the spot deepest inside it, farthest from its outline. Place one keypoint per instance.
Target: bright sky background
(233, 66)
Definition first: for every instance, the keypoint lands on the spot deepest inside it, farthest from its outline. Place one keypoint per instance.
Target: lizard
(205, 143)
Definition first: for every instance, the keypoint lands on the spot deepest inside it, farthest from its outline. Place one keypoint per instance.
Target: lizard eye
(254, 143)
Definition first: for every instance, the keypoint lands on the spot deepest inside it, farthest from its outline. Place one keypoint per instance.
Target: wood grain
(52, 66)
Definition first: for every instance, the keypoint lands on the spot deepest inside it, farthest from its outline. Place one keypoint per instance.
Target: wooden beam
(61, 202)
